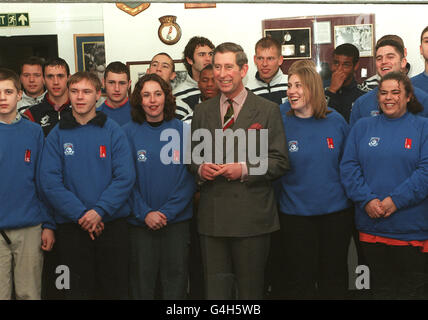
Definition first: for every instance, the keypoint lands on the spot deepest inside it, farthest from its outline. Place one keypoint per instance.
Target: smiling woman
(161, 200)
(396, 96)
(312, 201)
(384, 171)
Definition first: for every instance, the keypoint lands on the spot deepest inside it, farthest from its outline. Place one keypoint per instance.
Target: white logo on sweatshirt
(141, 155)
(293, 146)
(374, 141)
(68, 149)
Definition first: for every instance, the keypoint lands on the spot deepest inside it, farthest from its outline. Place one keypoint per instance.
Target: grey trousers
(21, 262)
(163, 253)
(234, 263)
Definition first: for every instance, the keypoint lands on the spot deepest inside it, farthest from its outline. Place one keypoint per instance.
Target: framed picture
(360, 35)
(89, 53)
(137, 69)
(295, 42)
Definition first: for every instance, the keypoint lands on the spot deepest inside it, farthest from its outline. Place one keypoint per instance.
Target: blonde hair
(312, 87)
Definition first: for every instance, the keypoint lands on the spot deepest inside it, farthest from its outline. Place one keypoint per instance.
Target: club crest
(293, 146)
(68, 149)
(374, 141)
(142, 155)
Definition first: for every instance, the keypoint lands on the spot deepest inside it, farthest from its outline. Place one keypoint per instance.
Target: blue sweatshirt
(421, 81)
(389, 157)
(122, 114)
(167, 188)
(21, 145)
(87, 167)
(312, 186)
(367, 105)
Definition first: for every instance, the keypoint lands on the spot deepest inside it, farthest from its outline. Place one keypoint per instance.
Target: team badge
(142, 155)
(374, 113)
(27, 157)
(103, 151)
(68, 149)
(176, 155)
(374, 141)
(293, 146)
(330, 143)
(408, 143)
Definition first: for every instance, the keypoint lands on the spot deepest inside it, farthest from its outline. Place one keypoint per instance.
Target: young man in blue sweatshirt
(87, 177)
(24, 222)
(390, 56)
(117, 82)
(421, 80)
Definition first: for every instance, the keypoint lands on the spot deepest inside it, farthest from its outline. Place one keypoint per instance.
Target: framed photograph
(89, 53)
(322, 32)
(295, 42)
(137, 69)
(360, 35)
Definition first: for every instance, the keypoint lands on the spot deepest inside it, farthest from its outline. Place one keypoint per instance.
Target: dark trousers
(397, 272)
(274, 274)
(98, 268)
(50, 263)
(196, 276)
(316, 254)
(231, 263)
(163, 253)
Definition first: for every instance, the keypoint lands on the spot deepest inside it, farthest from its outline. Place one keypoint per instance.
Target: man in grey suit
(237, 210)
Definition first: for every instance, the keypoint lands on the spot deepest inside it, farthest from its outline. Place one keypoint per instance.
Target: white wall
(61, 19)
(135, 38)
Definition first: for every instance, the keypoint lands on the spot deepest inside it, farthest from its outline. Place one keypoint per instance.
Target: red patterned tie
(229, 118)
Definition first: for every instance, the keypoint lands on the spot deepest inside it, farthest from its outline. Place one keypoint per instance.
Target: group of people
(148, 195)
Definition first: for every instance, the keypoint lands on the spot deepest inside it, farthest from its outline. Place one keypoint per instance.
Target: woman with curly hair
(161, 200)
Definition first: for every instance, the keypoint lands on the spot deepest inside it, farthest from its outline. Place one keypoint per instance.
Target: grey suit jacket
(235, 208)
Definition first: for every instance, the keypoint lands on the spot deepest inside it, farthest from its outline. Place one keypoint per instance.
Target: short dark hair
(190, 48)
(137, 112)
(413, 106)
(268, 42)
(117, 67)
(398, 47)
(32, 61)
(79, 76)
(423, 31)
(54, 62)
(393, 37)
(241, 57)
(166, 55)
(7, 74)
(208, 67)
(348, 50)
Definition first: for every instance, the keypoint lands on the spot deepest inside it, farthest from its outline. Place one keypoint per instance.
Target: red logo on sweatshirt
(27, 155)
(103, 152)
(330, 143)
(408, 143)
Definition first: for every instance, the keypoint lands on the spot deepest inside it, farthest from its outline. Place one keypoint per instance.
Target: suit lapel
(214, 118)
